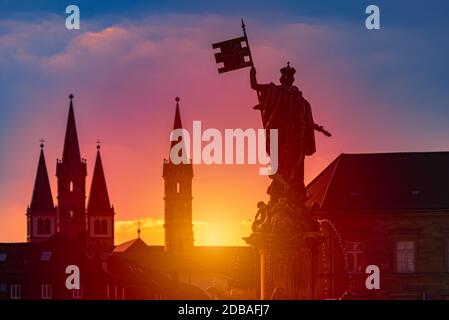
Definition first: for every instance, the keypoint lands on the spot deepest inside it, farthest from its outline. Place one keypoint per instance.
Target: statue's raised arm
(253, 80)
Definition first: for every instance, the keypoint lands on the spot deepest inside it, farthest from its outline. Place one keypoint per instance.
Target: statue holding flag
(284, 232)
(284, 108)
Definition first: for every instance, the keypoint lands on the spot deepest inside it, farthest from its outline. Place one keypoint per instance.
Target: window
(104, 226)
(355, 252)
(71, 186)
(43, 226)
(40, 226)
(16, 291)
(71, 214)
(178, 187)
(3, 287)
(3, 256)
(47, 226)
(46, 291)
(77, 293)
(405, 256)
(45, 255)
(97, 226)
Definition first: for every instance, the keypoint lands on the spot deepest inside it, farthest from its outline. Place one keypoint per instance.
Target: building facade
(388, 210)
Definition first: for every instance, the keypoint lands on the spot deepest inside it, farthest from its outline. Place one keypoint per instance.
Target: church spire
(177, 123)
(71, 172)
(178, 198)
(98, 198)
(71, 153)
(41, 200)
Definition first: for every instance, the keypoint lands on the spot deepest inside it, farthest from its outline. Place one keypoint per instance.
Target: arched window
(47, 226)
(71, 186)
(104, 226)
(97, 226)
(40, 226)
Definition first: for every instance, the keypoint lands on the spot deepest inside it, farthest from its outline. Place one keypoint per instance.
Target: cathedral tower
(100, 213)
(178, 201)
(41, 214)
(71, 173)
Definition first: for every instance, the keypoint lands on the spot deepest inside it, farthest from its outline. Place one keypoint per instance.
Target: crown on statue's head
(288, 71)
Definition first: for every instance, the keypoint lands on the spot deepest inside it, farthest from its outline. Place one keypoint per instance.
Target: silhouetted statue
(260, 217)
(284, 108)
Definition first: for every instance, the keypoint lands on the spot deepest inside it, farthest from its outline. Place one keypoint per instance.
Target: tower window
(178, 187)
(97, 226)
(43, 226)
(40, 226)
(104, 226)
(47, 226)
(71, 186)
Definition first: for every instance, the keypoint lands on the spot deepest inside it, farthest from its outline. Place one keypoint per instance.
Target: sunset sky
(376, 91)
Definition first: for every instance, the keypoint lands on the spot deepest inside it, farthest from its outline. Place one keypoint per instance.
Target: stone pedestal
(288, 264)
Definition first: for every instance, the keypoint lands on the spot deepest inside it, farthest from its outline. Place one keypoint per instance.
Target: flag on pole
(234, 54)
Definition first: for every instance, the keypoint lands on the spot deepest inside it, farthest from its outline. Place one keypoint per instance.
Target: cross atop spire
(71, 153)
(178, 123)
